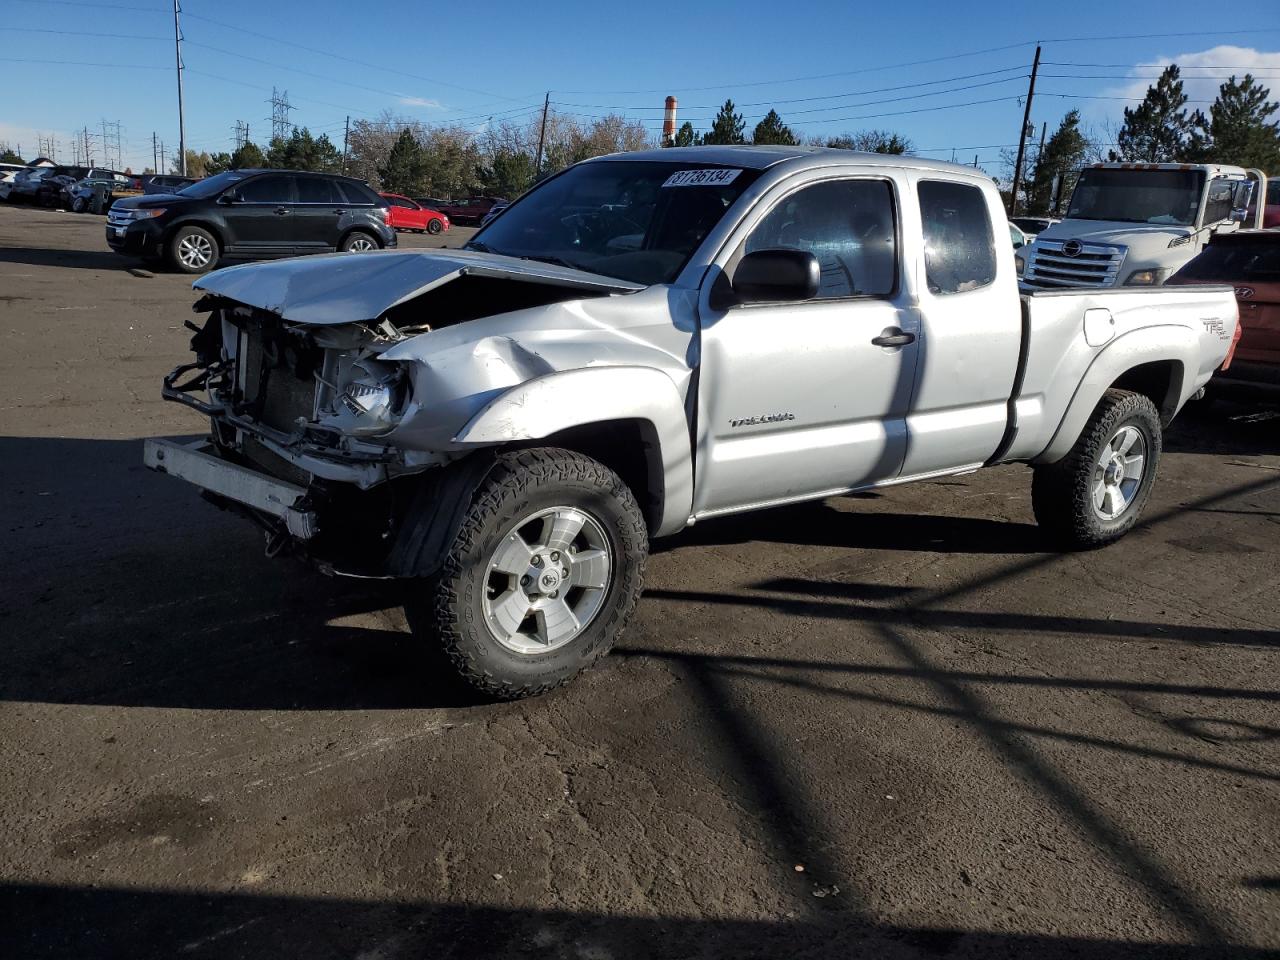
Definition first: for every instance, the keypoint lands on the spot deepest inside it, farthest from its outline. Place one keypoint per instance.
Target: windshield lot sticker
(701, 178)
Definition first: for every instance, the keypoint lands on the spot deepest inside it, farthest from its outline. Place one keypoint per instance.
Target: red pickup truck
(406, 214)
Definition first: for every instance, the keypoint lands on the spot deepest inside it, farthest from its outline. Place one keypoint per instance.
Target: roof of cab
(762, 157)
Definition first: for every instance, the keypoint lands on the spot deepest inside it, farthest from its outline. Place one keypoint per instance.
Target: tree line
(402, 155)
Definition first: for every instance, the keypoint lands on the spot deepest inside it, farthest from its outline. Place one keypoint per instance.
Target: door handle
(340, 210)
(282, 211)
(893, 337)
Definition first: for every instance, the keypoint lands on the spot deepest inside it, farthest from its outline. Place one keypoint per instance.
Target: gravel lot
(885, 726)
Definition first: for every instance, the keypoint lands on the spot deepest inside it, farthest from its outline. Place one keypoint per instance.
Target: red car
(1249, 260)
(406, 214)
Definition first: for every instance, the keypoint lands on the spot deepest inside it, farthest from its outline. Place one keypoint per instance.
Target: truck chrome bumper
(266, 494)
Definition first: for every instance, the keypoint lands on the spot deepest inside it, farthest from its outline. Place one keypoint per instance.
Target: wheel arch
(632, 419)
(361, 228)
(1153, 361)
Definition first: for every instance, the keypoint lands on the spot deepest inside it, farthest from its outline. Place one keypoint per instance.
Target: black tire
(78, 205)
(180, 250)
(434, 226)
(354, 238)
(1062, 493)
(449, 608)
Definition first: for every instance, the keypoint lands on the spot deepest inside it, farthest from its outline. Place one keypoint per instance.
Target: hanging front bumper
(259, 491)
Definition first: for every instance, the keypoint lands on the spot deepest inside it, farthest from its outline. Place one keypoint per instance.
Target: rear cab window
(358, 193)
(959, 248)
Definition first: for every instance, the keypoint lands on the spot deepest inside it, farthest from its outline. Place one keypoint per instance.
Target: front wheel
(192, 250)
(1096, 493)
(542, 577)
(434, 226)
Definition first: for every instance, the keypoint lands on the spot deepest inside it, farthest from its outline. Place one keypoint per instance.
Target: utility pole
(975, 161)
(242, 133)
(155, 155)
(346, 139)
(1022, 136)
(182, 120)
(542, 134)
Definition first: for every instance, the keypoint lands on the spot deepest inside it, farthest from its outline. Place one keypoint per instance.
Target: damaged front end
(306, 406)
(328, 431)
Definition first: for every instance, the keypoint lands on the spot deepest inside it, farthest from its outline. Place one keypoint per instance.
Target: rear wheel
(541, 578)
(192, 250)
(1096, 493)
(358, 242)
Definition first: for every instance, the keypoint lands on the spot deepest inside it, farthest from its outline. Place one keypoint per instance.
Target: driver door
(796, 400)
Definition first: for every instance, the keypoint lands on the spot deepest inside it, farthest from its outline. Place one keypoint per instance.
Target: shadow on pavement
(106, 924)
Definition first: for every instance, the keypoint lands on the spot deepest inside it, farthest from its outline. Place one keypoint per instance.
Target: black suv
(251, 213)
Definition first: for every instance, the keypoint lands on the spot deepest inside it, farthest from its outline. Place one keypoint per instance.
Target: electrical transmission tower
(280, 108)
(112, 155)
(242, 133)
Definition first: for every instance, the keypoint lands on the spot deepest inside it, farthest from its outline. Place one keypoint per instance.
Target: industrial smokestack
(669, 123)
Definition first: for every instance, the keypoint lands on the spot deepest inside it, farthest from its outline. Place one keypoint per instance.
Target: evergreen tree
(1240, 127)
(509, 173)
(8, 156)
(1063, 156)
(301, 151)
(247, 157)
(406, 166)
(1159, 130)
(772, 130)
(217, 163)
(872, 141)
(685, 137)
(727, 128)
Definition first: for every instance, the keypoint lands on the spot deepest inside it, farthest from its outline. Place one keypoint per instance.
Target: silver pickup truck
(651, 340)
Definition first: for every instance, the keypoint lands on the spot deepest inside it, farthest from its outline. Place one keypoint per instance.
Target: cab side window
(267, 190)
(959, 253)
(848, 225)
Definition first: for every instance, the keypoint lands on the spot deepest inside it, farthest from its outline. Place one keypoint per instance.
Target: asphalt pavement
(887, 725)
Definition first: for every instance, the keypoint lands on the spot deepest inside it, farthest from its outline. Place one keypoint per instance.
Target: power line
(95, 6)
(339, 56)
(81, 33)
(84, 63)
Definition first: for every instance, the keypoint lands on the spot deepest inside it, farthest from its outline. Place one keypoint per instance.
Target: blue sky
(827, 67)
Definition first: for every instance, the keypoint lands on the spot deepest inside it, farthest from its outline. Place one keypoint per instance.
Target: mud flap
(435, 515)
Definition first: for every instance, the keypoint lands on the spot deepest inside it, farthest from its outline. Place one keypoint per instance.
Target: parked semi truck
(655, 339)
(1135, 224)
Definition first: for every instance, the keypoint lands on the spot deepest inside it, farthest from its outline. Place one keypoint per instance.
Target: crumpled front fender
(549, 404)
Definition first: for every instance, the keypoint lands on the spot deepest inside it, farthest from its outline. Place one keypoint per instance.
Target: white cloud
(422, 102)
(1203, 73)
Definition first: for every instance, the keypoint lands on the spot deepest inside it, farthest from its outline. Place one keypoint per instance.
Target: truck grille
(1072, 263)
(277, 382)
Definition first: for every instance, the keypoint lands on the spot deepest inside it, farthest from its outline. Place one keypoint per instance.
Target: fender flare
(547, 405)
(1166, 343)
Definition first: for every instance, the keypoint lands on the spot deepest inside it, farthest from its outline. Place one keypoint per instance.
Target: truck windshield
(1138, 196)
(637, 220)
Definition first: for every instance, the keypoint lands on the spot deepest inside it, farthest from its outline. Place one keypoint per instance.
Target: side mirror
(776, 276)
(226, 199)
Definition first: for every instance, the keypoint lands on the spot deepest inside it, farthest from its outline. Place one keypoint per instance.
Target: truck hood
(1141, 237)
(345, 288)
